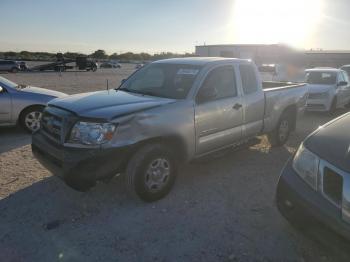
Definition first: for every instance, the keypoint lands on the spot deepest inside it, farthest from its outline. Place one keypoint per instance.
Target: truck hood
(42, 91)
(108, 104)
(313, 88)
(331, 142)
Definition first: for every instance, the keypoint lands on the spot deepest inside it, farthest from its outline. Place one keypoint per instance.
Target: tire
(14, 70)
(31, 115)
(151, 172)
(280, 135)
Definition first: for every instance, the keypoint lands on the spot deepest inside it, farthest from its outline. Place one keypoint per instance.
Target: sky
(170, 25)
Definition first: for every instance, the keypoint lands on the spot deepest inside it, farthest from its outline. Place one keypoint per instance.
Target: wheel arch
(291, 111)
(174, 142)
(21, 113)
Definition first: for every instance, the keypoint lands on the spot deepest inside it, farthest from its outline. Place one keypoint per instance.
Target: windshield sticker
(187, 71)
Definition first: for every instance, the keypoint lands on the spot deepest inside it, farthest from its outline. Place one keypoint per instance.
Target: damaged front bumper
(79, 168)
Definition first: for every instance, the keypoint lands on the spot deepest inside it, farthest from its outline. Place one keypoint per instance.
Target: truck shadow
(47, 219)
(12, 138)
(228, 196)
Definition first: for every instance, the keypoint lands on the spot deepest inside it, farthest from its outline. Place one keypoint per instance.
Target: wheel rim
(157, 174)
(32, 120)
(283, 130)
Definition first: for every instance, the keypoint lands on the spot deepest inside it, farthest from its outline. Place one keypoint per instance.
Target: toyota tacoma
(166, 113)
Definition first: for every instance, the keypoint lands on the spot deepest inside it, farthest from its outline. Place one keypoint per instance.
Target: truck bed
(279, 96)
(272, 85)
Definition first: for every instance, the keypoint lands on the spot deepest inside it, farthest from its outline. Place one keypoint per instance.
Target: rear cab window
(248, 78)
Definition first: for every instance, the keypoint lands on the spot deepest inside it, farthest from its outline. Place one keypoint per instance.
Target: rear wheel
(280, 135)
(151, 172)
(30, 118)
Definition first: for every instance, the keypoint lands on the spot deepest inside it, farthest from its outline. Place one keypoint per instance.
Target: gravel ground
(221, 208)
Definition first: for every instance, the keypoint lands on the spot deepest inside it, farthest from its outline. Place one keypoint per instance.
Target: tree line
(97, 55)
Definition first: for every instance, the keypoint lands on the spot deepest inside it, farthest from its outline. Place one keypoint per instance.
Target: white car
(329, 89)
(23, 104)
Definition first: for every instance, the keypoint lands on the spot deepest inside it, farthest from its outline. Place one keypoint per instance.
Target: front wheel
(280, 135)
(151, 172)
(30, 118)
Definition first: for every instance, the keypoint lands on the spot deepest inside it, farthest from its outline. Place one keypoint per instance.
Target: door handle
(237, 106)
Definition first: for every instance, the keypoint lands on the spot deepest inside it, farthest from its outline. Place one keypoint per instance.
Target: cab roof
(200, 61)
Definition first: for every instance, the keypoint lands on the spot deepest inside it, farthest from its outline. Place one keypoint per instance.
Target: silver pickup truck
(166, 113)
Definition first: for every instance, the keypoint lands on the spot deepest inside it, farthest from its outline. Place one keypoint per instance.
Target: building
(277, 53)
(257, 52)
(332, 58)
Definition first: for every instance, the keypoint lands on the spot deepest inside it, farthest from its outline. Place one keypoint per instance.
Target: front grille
(52, 125)
(333, 185)
(55, 123)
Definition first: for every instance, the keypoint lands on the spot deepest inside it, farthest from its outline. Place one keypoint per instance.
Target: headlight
(89, 133)
(306, 165)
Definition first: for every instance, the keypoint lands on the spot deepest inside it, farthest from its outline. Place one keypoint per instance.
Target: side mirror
(206, 94)
(342, 83)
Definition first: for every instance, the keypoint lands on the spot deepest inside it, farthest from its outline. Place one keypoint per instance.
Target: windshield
(163, 80)
(7, 83)
(321, 78)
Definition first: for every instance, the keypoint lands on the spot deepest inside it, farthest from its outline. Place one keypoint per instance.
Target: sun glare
(275, 21)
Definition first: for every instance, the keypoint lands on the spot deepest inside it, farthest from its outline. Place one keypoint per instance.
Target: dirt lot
(221, 209)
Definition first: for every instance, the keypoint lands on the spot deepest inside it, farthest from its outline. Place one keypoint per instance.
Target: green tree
(114, 56)
(99, 54)
(10, 54)
(71, 55)
(25, 55)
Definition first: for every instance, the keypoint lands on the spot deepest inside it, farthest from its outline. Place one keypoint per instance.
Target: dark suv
(10, 66)
(315, 183)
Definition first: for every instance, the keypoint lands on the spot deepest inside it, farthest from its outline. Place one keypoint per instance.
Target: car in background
(23, 104)
(110, 64)
(9, 66)
(329, 89)
(138, 66)
(315, 184)
(23, 66)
